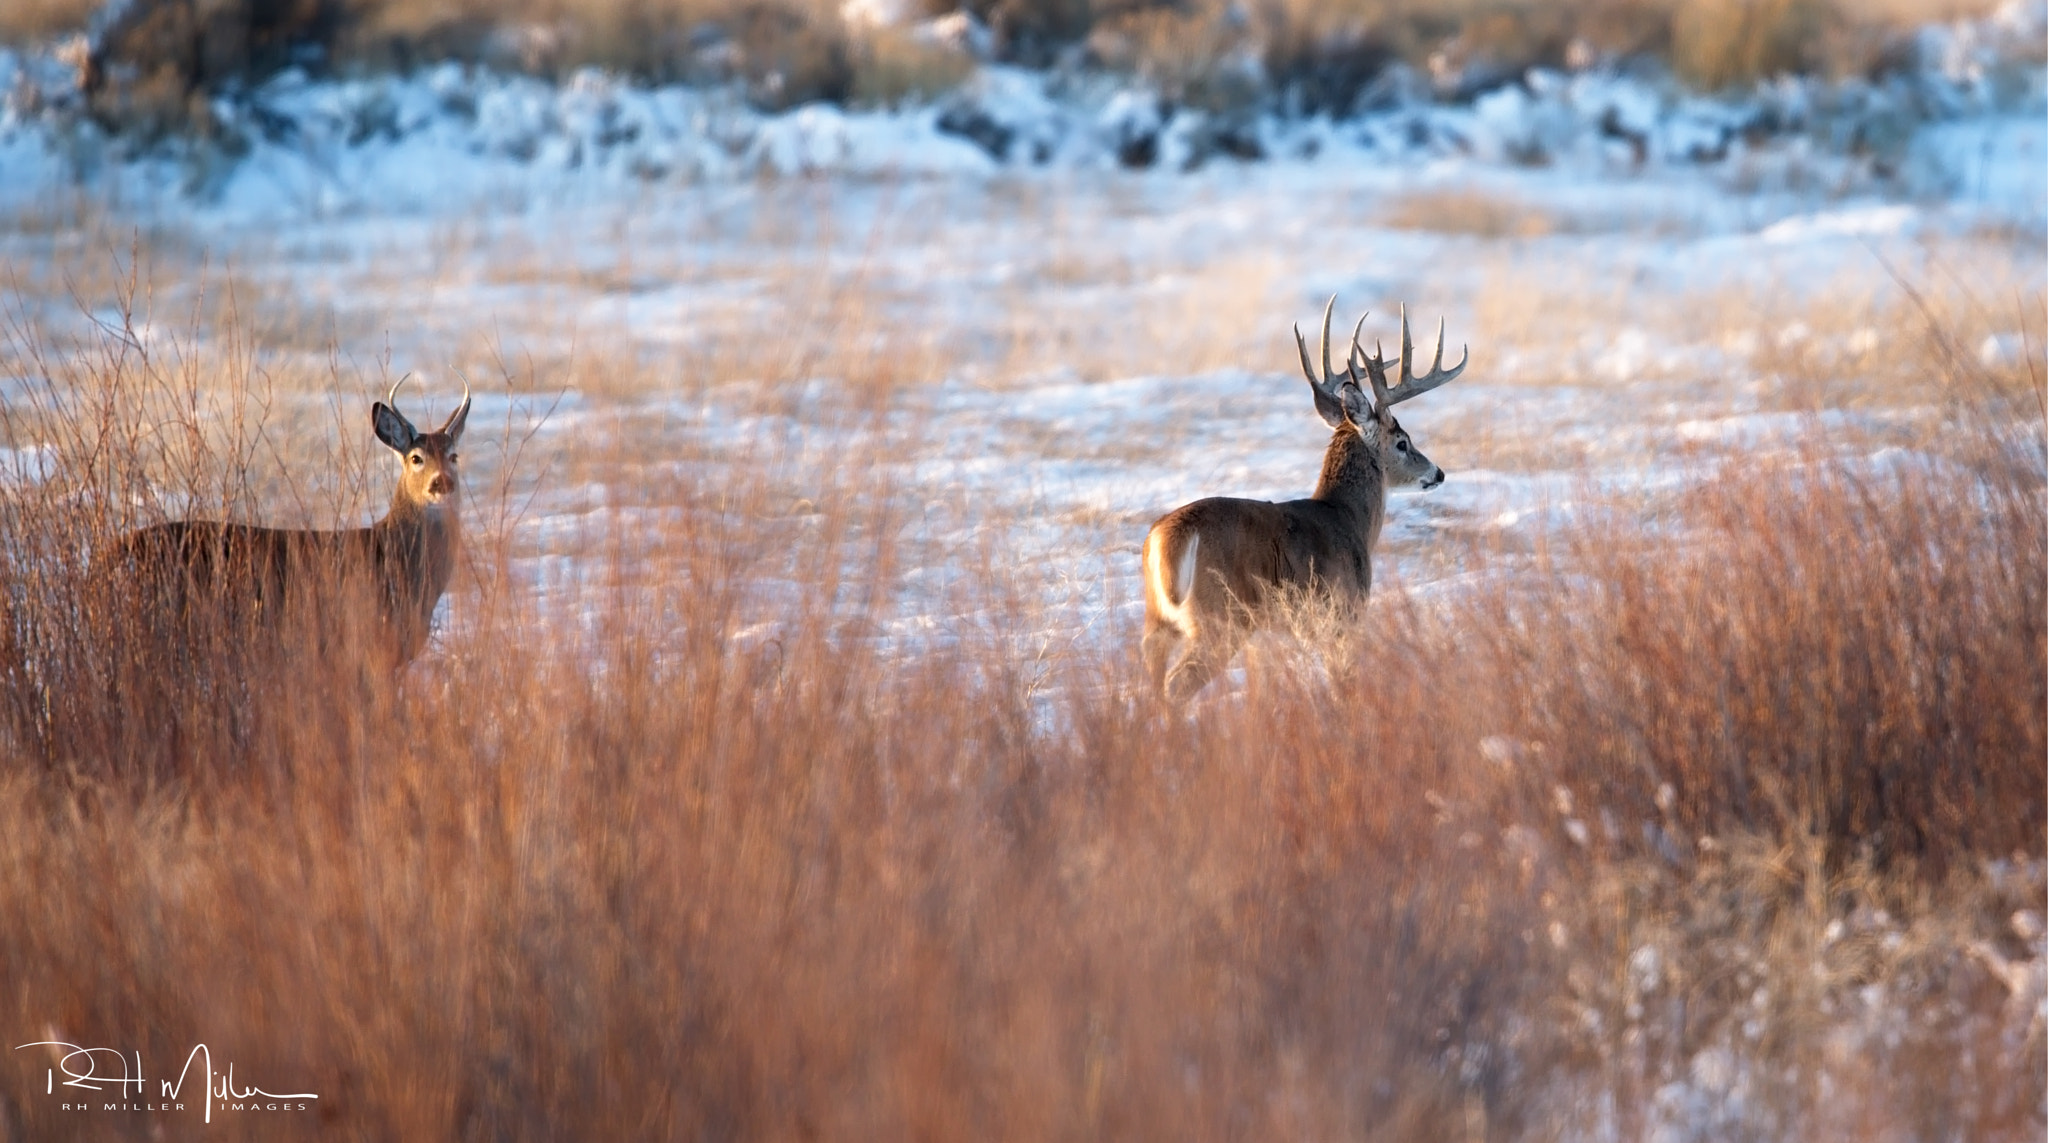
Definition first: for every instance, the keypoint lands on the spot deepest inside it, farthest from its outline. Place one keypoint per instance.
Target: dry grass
(1475, 212)
(33, 21)
(1328, 52)
(1322, 53)
(618, 861)
(891, 67)
(1853, 339)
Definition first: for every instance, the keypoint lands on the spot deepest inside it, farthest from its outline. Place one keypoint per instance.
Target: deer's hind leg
(1164, 647)
(1202, 658)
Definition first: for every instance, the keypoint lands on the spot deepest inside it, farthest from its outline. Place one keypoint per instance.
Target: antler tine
(1375, 367)
(1381, 396)
(1328, 308)
(1411, 385)
(1407, 353)
(391, 398)
(1329, 383)
(1353, 358)
(1308, 368)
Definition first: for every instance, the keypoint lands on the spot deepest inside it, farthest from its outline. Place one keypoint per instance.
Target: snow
(1967, 125)
(1853, 222)
(1998, 163)
(27, 464)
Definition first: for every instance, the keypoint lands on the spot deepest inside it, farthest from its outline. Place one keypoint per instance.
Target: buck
(396, 569)
(1215, 569)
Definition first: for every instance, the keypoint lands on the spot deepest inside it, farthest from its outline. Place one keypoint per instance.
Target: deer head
(427, 461)
(1344, 405)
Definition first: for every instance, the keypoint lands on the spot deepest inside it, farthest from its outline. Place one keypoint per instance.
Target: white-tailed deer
(395, 569)
(1215, 568)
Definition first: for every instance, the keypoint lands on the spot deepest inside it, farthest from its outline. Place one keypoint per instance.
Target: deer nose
(439, 485)
(1435, 478)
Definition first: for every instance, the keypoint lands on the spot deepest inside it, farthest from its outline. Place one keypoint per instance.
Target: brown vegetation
(611, 863)
(1325, 54)
(1331, 53)
(28, 21)
(1476, 212)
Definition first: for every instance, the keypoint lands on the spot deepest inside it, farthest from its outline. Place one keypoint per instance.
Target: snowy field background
(1021, 328)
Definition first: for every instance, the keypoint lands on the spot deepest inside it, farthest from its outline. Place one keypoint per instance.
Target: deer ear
(1357, 406)
(1328, 408)
(394, 430)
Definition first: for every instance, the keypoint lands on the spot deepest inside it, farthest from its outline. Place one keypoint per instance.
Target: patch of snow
(1849, 222)
(1963, 122)
(1998, 163)
(28, 464)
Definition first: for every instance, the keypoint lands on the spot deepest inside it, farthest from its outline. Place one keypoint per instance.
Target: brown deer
(387, 577)
(1214, 569)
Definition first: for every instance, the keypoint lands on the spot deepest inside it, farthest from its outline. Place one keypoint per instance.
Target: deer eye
(1401, 446)
(418, 460)
(453, 457)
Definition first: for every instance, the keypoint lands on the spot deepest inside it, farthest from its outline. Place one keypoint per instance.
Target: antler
(1409, 384)
(1330, 386)
(461, 413)
(391, 398)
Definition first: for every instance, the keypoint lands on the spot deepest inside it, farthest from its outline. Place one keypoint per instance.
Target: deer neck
(424, 538)
(1353, 479)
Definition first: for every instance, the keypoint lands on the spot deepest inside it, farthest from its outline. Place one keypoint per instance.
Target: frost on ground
(1093, 346)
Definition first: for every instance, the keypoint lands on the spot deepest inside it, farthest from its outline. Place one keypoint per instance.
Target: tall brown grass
(1328, 53)
(29, 21)
(1323, 53)
(1475, 212)
(681, 849)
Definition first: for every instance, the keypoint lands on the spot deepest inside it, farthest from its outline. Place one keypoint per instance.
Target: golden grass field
(762, 783)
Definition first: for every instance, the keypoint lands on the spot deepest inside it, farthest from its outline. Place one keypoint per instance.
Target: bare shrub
(890, 66)
(688, 851)
(154, 68)
(1032, 31)
(152, 64)
(1719, 43)
(1202, 56)
(30, 21)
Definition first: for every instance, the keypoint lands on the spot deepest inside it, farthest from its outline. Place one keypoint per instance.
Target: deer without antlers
(388, 576)
(1214, 568)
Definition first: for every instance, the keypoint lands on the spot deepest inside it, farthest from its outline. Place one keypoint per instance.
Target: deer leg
(1191, 675)
(1200, 661)
(1162, 648)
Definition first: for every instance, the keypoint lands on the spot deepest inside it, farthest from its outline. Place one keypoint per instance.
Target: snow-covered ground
(1640, 274)
(453, 137)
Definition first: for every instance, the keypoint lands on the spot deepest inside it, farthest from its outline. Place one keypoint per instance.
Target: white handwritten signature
(219, 1086)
